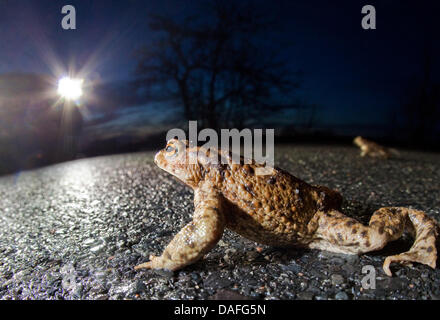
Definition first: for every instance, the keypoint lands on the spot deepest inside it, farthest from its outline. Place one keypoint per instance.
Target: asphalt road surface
(76, 230)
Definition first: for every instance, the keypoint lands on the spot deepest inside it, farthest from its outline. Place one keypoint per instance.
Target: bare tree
(217, 66)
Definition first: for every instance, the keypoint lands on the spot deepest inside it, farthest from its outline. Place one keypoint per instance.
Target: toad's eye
(170, 149)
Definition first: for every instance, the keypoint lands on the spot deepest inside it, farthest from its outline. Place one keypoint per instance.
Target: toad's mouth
(159, 161)
(156, 161)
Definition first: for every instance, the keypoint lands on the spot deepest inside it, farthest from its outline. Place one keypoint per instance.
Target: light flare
(69, 88)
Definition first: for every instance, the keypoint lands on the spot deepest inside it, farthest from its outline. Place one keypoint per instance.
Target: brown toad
(372, 149)
(277, 210)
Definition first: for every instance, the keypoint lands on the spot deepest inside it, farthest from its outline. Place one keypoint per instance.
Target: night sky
(355, 76)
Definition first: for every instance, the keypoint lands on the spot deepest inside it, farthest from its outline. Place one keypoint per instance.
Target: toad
(372, 149)
(277, 210)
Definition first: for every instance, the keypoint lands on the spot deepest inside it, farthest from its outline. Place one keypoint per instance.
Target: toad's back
(273, 209)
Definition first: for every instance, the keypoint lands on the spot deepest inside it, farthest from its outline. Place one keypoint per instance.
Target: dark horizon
(351, 81)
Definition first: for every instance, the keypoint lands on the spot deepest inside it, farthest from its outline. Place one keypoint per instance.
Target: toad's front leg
(197, 238)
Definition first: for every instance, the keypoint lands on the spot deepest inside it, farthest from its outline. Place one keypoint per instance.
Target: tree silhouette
(217, 66)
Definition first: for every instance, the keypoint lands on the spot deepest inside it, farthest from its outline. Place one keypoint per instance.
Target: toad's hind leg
(339, 233)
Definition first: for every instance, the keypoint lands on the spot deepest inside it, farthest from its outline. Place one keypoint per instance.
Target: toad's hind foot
(339, 233)
(411, 256)
(424, 248)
